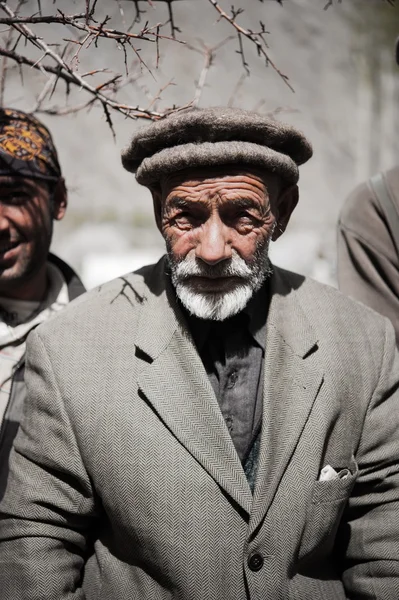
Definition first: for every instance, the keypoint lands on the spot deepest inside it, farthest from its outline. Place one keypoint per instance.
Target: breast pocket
(328, 502)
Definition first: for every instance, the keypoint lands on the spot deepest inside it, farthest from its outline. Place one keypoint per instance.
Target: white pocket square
(328, 473)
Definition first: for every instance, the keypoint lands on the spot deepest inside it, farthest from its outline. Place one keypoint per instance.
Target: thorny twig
(209, 55)
(159, 94)
(330, 3)
(59, 63)
(254, 37)
(63, 71)
(92, 30)
(139, 12)
(208, 58)
(127, 110)
(3, 72)
(237, 88)
(4, 65)
(67, 110)
(173, 27)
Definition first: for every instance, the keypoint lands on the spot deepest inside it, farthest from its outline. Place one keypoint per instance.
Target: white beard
(218, 306)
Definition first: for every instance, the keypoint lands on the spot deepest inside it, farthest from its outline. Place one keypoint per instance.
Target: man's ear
(157, 202)
(60, 199)
(284, 207)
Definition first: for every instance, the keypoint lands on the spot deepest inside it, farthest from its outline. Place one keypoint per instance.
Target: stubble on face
(26, 228)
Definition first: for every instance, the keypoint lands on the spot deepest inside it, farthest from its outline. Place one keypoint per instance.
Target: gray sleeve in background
(368, 264)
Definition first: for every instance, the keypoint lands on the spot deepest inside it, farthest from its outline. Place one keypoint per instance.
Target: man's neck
(33, 290)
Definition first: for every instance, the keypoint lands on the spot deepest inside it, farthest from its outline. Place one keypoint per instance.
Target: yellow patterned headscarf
(26, 147)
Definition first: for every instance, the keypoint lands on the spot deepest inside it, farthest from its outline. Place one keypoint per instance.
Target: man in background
(368, 243)
(33, 283)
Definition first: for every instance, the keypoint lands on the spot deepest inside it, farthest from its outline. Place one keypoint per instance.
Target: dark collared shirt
(232, 352)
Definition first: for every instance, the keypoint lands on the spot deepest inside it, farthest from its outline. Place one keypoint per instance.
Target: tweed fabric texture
(124, 479)
(215, 136)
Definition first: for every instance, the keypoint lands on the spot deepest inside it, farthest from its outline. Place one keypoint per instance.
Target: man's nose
(214, 243)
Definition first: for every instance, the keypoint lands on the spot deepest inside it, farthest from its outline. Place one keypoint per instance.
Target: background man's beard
(220, 305)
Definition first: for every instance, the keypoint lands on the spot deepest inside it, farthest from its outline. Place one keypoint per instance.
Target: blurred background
(340, 62)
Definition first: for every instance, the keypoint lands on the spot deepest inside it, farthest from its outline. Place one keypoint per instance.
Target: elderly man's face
(217, 229)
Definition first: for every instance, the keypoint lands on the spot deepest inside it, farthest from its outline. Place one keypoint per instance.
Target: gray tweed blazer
(124, 482)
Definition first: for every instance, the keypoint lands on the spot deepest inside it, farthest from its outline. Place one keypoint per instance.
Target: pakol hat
(26, 147)
(211, 137)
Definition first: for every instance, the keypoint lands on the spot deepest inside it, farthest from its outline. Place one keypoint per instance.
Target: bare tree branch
(236, 89)
(330, 3)
(65, 72)
(66, 60)
(95, 30)
(173, 27)
(255, 38)
(209, 55)
(133, 112)
(3, 72)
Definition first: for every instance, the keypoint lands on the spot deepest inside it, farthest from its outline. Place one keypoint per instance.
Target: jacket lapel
(292, 381)
(175, 383)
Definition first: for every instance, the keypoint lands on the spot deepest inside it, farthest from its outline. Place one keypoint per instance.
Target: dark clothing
(232, 352)
(368, 262)
(13, 414)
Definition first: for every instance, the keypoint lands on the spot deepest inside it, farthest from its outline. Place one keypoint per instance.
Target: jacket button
(255, 562)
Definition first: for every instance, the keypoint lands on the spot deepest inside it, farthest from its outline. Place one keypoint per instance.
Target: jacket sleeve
(368, 265)
(369, 537)
(48, 507)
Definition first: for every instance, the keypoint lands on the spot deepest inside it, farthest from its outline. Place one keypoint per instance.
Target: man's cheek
(181, 243)
(247, 249)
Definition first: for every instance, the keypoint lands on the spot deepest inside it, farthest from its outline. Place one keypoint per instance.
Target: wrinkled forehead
(219, 180)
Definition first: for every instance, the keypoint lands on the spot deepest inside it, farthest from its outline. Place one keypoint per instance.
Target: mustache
(190, 266)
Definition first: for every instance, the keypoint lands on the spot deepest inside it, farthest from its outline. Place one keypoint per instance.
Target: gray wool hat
(208, 137)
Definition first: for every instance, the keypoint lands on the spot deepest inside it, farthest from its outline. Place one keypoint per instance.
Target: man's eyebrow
(178, 202)
(245, 203)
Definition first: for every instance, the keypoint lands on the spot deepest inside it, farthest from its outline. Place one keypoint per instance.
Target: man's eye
(185, 221)
(246, 219)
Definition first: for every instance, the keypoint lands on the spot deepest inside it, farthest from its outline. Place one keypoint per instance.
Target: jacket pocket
(328, 502)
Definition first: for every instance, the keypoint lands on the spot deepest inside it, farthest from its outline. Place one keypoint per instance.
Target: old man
(210, 427)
